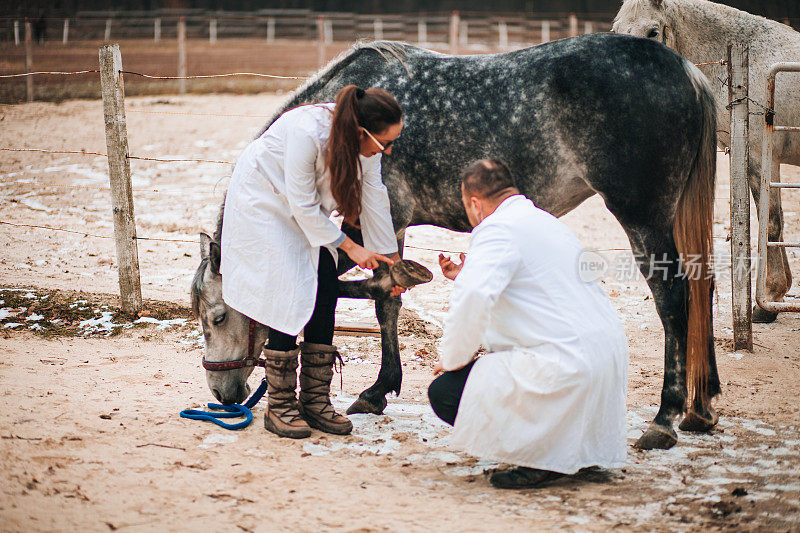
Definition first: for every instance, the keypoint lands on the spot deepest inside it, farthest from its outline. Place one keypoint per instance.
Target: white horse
(700, 31)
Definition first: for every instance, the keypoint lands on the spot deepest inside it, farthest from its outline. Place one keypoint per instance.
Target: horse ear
(214, 257)
(205, 244)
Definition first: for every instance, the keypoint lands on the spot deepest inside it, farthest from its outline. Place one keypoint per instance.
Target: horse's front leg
(387, 310)
(373, 399)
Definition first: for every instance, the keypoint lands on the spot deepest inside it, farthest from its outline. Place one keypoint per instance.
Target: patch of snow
(162, 324)
(33, 317)
(33, 204)
(219, 438)
(6, 312)
(13, 325)
(103, 323)
(786, 487)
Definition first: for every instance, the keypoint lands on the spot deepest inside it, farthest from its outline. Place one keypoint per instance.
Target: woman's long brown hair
(374, 110)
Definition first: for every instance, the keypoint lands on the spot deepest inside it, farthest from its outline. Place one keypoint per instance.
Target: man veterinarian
(549, 396)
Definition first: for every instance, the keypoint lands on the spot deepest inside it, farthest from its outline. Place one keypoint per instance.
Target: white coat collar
(505, 205)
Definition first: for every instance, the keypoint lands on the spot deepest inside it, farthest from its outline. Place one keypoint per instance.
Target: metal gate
(766, 185)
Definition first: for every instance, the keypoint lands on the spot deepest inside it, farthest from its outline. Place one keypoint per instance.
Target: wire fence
(128, 156)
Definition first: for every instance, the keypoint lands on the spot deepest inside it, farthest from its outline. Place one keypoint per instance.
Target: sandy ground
(91, 439)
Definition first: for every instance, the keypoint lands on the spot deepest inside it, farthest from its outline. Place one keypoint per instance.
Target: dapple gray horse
(618, 116)
(700, 31)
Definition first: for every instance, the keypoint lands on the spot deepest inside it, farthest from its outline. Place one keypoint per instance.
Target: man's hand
(438, 368)
(449, 268)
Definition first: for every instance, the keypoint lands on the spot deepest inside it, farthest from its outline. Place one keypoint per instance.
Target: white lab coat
(277, 216)
(550, 393)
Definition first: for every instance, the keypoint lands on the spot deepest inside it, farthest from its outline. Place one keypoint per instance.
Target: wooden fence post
(182, 55)
(65, 35)
(422, 31)
(502, 35)
(212, 31)
(455, 22)
(156, 30)
(320, 41)
(378, 29)
(16, 33)
(463, 34)
(107, 33)
(573, 25)
(270, 30)
(588, 27)
(119, 174)
(328, 30)
(28, 60)
(545, 31)
(741, 296)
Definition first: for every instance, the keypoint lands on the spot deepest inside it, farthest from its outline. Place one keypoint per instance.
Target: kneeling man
(549, 396)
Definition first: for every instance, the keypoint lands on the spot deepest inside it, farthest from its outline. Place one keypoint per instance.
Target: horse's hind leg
(702, 416)
(655, 251)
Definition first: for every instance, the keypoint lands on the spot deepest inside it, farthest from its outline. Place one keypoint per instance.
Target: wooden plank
(357, 330)
(119, 174)
(738, 64)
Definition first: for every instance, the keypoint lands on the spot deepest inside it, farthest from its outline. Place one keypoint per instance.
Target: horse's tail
(693, 237)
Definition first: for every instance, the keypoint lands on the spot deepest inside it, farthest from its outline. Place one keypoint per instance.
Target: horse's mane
(196, 290)
(198, 283)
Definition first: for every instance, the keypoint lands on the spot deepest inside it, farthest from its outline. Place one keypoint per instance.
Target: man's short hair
(486, 178)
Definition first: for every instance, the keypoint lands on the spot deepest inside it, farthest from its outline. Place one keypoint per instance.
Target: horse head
(226, 330)
(646, 18)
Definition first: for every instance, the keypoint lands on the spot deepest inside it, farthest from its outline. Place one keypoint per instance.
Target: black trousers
(445, 392)
(319, 329)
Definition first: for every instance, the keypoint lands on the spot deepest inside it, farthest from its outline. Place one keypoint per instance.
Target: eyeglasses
(383, 147)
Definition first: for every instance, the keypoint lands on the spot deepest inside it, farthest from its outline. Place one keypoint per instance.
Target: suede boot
(283, 417)
(316, 374)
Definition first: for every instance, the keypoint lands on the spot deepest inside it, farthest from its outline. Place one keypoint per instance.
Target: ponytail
(373, 109)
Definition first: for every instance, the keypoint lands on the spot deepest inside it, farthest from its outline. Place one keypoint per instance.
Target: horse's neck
(703, 29)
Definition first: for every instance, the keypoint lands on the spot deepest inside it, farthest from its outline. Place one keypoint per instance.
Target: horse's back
(566, 116)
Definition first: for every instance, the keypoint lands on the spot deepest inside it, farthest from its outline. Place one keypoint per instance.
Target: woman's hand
(449, 268)
(363, 257)
(397, 290)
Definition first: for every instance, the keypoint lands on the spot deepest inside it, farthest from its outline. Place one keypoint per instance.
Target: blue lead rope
(233, 410)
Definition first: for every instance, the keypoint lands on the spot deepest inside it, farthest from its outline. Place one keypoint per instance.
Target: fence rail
(474, 29)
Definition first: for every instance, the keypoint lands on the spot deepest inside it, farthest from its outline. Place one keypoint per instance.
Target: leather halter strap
(250, 360)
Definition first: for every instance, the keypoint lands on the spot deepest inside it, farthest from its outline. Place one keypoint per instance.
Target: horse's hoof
(657, 438)
(696, 422)
(408, 273)
(364, 406)
(760, 316)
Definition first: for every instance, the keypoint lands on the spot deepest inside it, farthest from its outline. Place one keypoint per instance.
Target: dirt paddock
(91, 438)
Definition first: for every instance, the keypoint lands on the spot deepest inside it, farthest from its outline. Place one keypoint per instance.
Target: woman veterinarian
(279, 246)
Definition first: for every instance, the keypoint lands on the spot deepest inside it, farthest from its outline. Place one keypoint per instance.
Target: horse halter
(249, 360)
